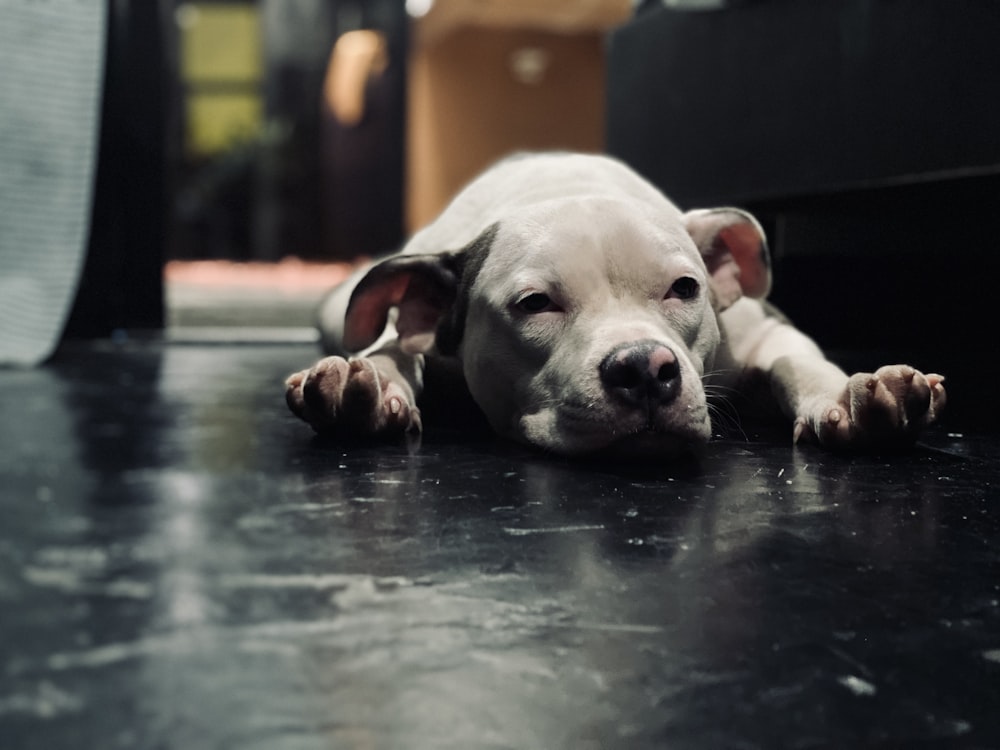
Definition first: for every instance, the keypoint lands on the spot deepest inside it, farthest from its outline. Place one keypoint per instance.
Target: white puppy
(587, 313)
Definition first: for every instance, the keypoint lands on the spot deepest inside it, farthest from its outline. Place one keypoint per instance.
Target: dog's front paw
(351, 397)
(881, 410)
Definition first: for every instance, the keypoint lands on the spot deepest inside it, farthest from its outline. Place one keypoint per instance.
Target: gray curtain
(52, 63)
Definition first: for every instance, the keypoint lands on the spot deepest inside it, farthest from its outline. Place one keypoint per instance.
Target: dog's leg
(370, 396)
(868, 411)
(388, 312)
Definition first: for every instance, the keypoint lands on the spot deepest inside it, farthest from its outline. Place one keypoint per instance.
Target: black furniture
(121, 286)
(866, 136)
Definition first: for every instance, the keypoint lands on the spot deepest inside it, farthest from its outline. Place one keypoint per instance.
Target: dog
(588, 314)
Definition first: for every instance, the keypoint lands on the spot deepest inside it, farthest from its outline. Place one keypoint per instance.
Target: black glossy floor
(183, 566)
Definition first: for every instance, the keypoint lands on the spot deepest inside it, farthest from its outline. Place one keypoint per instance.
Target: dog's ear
(735, 252)
(421, 287)
(430, 292)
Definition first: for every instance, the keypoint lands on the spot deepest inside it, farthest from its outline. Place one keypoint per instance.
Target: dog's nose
(644, 373)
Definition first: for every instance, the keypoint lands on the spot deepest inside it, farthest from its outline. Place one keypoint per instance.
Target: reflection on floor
(183, 565)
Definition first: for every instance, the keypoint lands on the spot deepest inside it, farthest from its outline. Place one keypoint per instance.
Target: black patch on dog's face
(467, 265)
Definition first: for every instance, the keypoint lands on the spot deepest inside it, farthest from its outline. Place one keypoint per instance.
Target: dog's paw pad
(884, 409)
(339, 396)
(894, 400)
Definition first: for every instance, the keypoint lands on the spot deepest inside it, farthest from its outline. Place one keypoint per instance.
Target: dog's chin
(639, 444)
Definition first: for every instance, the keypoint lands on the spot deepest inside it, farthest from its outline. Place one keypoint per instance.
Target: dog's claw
(800, 430)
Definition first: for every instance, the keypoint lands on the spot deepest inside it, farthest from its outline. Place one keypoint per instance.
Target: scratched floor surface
(183, 566)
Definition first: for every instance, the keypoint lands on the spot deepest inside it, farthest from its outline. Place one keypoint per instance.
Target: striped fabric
(52, 60)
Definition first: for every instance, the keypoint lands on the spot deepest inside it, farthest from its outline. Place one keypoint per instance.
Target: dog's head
(582, 325)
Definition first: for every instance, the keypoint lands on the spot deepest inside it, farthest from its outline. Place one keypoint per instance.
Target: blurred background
(313, 132)
(328, 129)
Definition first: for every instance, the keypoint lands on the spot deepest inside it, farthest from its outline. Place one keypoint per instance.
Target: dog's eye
(536, 303)
(684, 288)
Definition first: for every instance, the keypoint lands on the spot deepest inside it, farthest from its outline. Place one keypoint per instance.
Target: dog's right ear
(431, 293)
(422, 287)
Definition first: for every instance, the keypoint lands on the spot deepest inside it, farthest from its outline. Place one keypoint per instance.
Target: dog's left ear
(735, 252)
(421, 287)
